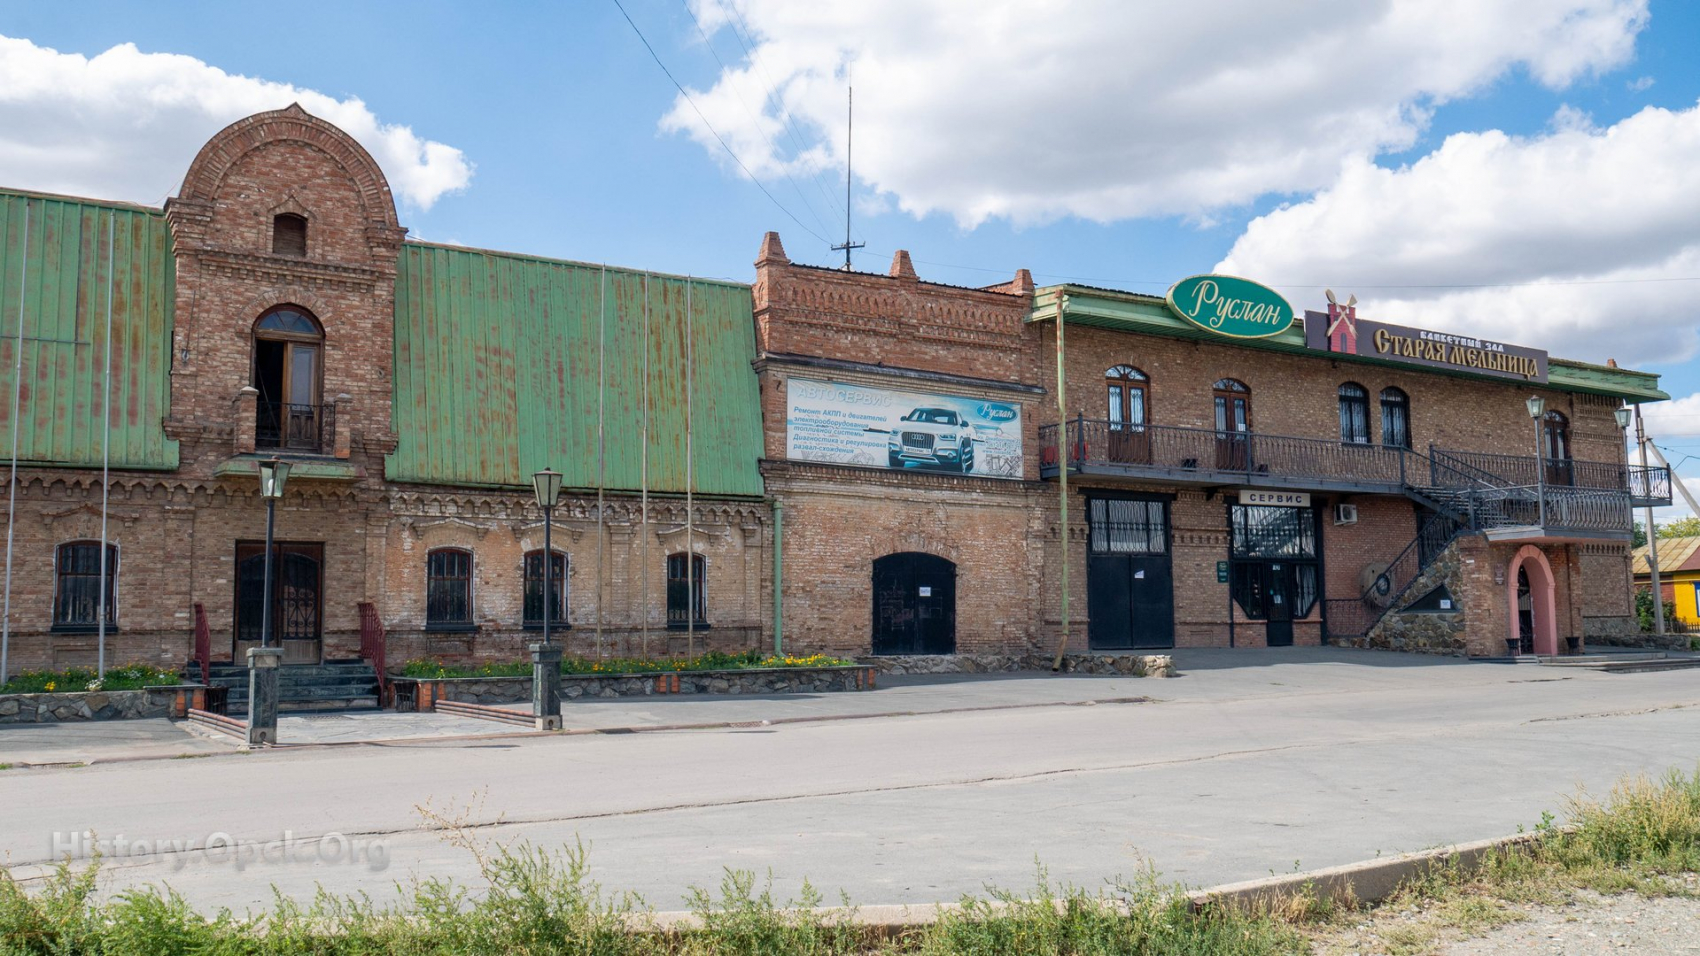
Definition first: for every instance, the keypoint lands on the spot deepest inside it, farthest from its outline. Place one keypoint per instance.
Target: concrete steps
(306, 687)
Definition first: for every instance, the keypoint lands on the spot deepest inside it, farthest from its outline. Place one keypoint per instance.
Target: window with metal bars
(1128, 527)
(1395, 418)
(686, 602)
(1354, 414)
(76, 593)
(534, 590)
(448, 588)
(1265, 531)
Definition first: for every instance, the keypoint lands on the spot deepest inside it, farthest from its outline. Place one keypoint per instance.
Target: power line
(725, 71)
(786, 122)
(722, 140)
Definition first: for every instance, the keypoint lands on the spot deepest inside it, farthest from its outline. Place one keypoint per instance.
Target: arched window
(534, 590)
(1126, 391)
(686, 603)
(1354, 413)
(289, 235)
(1555, 447)
(448, 588)
(287, 344)
(1395, 418)
(76, 592)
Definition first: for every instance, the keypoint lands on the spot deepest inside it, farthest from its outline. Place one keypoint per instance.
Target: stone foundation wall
(85, 705)
(1426, 632)
(416, 694)
(1135, 665)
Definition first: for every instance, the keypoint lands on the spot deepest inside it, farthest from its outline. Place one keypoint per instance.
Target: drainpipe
(778, 568)
(1062, 474)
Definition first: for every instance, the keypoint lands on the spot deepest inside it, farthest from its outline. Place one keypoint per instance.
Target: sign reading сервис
(874, 427)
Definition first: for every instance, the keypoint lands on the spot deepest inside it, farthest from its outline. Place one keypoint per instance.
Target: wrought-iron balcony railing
(1648, 485)
(1207, 455)
(1491, 491)
(289, 427)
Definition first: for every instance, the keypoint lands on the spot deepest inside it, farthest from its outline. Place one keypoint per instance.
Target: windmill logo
(1342, 324)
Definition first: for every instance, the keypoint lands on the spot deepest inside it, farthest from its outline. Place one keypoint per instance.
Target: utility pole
(1652, 532)
(849, 143)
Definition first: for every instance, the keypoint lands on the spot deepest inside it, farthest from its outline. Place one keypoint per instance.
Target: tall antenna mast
(849, 142)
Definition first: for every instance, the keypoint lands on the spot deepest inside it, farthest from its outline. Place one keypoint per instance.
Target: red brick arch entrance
(1533, 601)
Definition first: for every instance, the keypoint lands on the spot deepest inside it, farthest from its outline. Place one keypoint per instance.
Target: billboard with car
(884, 428)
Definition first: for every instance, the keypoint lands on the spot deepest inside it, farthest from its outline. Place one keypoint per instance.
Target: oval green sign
(1231, 306)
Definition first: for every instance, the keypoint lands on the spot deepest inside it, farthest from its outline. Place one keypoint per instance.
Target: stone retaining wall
(85, 705)
(1135, 665)
(413, 693)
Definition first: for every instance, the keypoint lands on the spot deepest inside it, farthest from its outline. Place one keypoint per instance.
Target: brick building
(1241, 490)
(823, 460)
(274, 308)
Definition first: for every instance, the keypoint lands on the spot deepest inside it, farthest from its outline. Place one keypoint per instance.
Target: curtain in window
(77, 584)
(1395, 418)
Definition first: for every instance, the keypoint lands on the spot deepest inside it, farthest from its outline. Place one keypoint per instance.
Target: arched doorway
(1533, 604)
(914, 604)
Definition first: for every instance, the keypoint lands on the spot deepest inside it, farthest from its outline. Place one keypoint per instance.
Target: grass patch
(122, 677)
(1644, 836)
(711, 661)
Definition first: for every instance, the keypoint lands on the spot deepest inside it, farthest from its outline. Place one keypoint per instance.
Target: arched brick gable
(216, 158)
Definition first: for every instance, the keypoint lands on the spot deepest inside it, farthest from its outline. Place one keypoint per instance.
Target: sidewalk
(108, 741)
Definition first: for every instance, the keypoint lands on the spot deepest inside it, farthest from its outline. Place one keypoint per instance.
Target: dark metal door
(297, 599)
(914, 604)
(1109, 601)
(1278, 580)
(1130, 601)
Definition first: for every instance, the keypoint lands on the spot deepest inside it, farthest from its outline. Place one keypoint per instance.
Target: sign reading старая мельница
(1231, 306)
(883, 428)
(1340, 330)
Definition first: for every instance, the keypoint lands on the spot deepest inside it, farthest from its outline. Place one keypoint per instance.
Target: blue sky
(1118, 144)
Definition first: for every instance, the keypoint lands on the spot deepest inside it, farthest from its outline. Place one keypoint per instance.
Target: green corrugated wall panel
(497, 374)
(64, 296)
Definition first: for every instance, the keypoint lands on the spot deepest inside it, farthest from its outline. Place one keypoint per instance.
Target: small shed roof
(1675, 554)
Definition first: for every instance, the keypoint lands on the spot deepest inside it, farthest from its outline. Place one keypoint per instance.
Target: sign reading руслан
(1340, 330)
(1231, 306)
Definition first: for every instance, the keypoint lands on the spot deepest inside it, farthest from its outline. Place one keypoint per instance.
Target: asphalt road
(1254, 762)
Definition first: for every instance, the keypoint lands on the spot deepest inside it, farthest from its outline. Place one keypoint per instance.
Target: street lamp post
(263, 661)
(1538, 407)
(546, 655)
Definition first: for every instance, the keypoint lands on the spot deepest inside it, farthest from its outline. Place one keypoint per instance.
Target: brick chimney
(902, 268)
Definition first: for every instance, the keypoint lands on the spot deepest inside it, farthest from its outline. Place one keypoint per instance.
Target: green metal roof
(1150, 315)
(60, 278)
(504, 363)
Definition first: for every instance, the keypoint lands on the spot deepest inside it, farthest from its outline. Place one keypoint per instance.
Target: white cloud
(126, 124)
(1640, 84)
(1677, 418)
(1584, 235)
(1010, 108)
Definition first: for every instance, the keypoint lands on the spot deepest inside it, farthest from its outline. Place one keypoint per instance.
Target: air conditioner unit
(1345, 514)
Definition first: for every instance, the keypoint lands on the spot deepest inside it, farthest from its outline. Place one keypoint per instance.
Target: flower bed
(712, 661)
(74, 679)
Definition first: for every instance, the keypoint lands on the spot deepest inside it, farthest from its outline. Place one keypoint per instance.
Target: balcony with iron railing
(1491, 492)
(305, 429)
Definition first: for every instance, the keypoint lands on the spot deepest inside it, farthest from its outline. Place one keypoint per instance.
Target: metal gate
(914, 604)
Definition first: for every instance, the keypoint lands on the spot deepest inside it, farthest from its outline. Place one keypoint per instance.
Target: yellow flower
(51, 685)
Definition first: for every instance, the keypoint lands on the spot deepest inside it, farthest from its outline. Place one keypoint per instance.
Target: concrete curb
(1370, 881)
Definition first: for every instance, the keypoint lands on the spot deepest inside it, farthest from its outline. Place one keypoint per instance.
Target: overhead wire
(755, 119)
(786, 122)
(710, 126)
